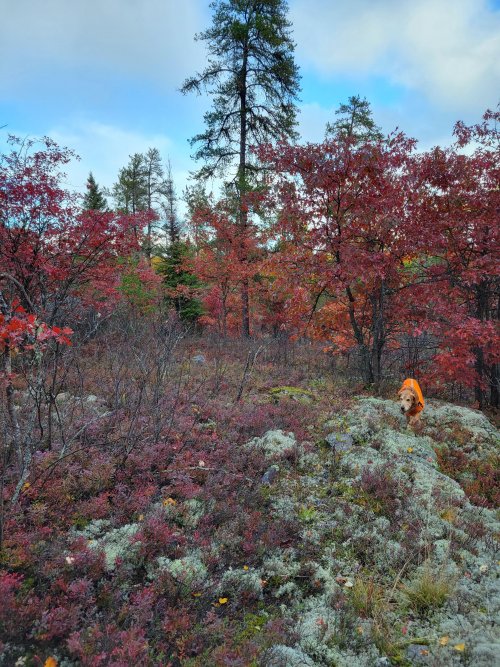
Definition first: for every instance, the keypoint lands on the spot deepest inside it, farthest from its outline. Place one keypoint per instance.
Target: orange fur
(411, 400)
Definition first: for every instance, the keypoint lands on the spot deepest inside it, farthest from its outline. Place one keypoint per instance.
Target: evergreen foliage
(131, 189)
(253, 79)
(355, 121)
(94, 199)
(169, 208)
(178, 281)
(143, 185)
(254, 82)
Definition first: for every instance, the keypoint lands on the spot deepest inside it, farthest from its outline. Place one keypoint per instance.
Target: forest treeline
(377, 250)
(158, 361)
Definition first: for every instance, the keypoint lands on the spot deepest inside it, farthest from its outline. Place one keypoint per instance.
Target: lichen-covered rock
(189, 570)
(374, 507)
(116, 543)
(270, 475)
(294, 393)
(273, 444)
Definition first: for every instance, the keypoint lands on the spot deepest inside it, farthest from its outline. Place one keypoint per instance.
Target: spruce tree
(94, 199)
(254, 82)
(169, 207)
(175, 275)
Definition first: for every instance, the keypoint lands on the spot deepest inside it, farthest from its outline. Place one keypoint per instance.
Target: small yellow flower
(26, 486)
(223, 600)
(196, 595)
(245, 567)
(50, 662)
(444, 640)
(169, 501)
(409, 450)
(459, 647)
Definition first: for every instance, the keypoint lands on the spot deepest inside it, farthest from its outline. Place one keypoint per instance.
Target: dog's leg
(414, 421)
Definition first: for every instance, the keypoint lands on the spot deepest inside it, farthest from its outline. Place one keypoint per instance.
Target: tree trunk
(245, 302)
(378, 334)
(366, 360)
(242, 188)
(495, 386)
(479, 365)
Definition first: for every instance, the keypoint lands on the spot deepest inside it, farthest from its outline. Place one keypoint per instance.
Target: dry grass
(429, 589)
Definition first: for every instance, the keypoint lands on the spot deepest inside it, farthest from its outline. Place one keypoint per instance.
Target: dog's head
(408, 400)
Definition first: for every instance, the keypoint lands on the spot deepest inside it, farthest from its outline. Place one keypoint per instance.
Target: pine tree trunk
(242, 187)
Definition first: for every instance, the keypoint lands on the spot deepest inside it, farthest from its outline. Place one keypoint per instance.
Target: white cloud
(103, 149)
(447, 50)
(149, 38)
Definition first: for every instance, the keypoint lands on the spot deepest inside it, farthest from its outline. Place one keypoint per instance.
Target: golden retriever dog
(411, 401)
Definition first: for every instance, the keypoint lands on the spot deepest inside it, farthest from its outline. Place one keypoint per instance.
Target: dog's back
(414, 387)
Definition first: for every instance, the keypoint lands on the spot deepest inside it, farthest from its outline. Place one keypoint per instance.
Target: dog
(411, 401)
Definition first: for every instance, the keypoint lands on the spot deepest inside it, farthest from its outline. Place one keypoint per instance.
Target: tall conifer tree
(254, 82)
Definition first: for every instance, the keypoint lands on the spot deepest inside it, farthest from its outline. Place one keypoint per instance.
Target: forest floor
(201, 505)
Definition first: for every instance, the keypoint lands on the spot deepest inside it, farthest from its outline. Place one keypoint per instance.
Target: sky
(103, 76)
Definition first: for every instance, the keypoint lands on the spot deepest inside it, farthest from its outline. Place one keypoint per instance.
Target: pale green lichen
(189, 570)
(280, 569)
(239, 580)
(116, 543)
(286, 656)
(295, 393)
(346, 529)
(273, 444)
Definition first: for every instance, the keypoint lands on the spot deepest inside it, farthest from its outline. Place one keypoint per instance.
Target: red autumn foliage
(226, 259)
(369, 243)
(345, 230)
(388, 243)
